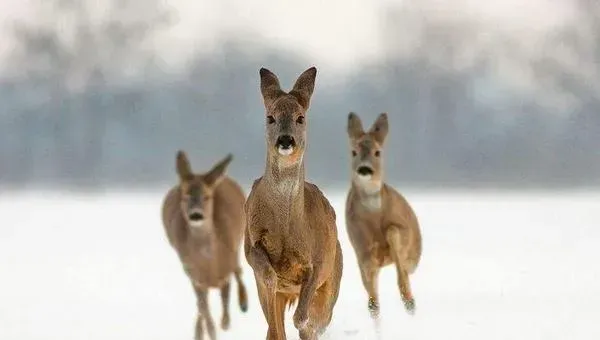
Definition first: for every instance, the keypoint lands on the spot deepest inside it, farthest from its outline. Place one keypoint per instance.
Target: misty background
(501, 94)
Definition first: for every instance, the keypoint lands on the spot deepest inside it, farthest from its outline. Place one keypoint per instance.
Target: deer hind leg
(204, 314)
(333, 290)
(336, 281)
(225, 292)
(398, 241)
(242, 294)
(369, 270)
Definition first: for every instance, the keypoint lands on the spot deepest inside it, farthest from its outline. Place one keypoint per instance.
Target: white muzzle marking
(365, 178)
(285, 152)
(196, 224)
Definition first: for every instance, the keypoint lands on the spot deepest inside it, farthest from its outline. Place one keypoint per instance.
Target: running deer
(291, 238)
(203, 217)
(382, 227)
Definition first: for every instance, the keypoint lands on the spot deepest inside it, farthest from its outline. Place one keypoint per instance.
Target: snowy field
(495, 266)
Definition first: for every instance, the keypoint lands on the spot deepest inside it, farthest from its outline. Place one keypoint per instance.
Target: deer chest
(204, 268)
(289, 258)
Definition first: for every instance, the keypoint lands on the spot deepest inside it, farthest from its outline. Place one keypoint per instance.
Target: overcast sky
(338, 34)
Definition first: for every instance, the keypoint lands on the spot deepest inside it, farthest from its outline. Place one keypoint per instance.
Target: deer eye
(353, 153)
(300, 120)
(270, 119)
(377, 153)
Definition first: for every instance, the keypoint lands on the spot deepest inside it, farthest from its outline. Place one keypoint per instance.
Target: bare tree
(69, 51)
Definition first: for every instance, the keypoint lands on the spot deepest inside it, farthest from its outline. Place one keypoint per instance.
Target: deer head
(286, 115)
(197, 191)
(366, 150)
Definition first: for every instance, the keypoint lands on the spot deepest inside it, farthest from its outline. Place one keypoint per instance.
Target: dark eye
(270, 119)
(300, 120)
(353, 153)
(377, 153)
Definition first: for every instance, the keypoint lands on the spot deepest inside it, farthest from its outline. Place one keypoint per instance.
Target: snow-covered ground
(495, 266)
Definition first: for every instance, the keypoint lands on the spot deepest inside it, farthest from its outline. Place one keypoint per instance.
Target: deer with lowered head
(203, 217)
(291, 238)
(381, 225)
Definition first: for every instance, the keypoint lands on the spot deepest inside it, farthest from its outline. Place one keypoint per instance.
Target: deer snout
(196, 216)
(365, 171)
(285, 144)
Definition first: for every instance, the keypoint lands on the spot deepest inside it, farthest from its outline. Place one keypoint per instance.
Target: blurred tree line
(95, 108)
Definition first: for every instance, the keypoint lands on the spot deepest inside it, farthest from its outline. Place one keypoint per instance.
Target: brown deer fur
(291, 236)
(381, 225)
(203, 217)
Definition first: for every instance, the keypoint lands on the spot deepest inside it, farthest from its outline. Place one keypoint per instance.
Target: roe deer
(204, 221)
(291, 235)
(382, 227)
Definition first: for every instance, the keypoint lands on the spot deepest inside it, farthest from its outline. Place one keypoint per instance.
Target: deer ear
(304, 87)
(379, 130)
(217, 173)
(269, 86)
(355, 128)
(184, 170)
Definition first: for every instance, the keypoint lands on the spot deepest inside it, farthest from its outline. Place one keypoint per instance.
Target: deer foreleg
(307, 291)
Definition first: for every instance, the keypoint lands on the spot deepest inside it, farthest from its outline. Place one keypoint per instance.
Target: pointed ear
(217, 173)
(355, 128)
(269, 86)
(304, 87)
(379, 130)
(184, 170)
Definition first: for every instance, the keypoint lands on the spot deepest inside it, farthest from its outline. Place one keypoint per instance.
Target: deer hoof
(373, 308)
(225, 322)
(300, 320)
(409, 305)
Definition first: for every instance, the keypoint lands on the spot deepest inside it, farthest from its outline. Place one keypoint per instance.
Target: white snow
(495, 266)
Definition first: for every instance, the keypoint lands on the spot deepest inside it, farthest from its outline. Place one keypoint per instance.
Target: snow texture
(494, 266)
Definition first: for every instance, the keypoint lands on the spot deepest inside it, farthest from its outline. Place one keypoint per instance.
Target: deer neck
(285, 186)
(368, 194)
(203, 241)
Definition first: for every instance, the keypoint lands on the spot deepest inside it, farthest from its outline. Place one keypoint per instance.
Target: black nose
(285, 142)
(196, 216)
(364, 171)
